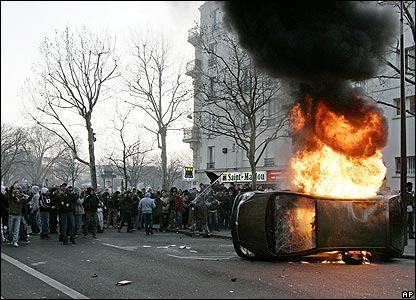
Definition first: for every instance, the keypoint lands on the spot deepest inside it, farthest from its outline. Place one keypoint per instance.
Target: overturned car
(286, 225)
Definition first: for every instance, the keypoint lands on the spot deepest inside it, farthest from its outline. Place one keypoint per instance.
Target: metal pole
(206, 189)
(403, 154)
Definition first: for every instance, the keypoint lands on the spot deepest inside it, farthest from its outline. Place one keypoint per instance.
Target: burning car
(336, 174)
(286, 225)
(338, 132)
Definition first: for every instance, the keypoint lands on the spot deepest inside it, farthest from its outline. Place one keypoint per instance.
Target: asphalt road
(173, 265)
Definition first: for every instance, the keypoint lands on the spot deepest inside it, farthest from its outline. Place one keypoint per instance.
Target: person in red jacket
(177, 205)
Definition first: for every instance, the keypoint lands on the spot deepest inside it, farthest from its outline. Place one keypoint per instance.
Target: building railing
(192, 67)
(191, 135)
(193, 35)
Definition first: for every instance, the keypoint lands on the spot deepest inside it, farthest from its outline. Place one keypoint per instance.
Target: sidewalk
(409, 250)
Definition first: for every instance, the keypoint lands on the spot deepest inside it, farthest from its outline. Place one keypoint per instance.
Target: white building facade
(221, 155)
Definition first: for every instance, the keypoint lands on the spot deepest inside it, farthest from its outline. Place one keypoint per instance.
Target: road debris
(123, 282)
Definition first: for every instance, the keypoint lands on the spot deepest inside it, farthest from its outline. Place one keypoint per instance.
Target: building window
(211, 157)
(397, 104)
(409, 60)
(410, 165)
(269, 162)
(212, 49)
(212, 87)
(271, 111)
(216, 18)
(409, 57)
(212, 123)
(410, 104)
(247, 80)
(245, 125)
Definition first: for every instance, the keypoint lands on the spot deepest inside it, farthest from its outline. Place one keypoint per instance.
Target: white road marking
(127, 248)
(52, 282)
(133, 248)
(203, 257)
(39, 263)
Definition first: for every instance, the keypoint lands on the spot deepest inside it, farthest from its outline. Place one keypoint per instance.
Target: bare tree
(67, 169)
(175, 167)
(72, 82)
(151, 176)
(42, 149)
(239, 101)
(12, 152)
(394, 64)
(159, 89)
(128, 157)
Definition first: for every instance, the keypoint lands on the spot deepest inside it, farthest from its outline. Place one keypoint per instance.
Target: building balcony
(191, 135)
(193, 35)
(193, 67)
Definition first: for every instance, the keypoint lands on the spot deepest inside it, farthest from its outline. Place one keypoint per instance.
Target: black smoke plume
(318, 47)
(313, 41)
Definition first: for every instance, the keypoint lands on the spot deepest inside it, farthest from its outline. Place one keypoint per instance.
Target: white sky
(24, 25)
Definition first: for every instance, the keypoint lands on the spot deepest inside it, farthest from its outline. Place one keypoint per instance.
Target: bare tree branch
(70, 83)
(237, 99)
(158, 89)
(128, 157)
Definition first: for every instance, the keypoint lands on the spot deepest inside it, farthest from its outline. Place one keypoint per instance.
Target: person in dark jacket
(158, 211)
(16, 203)
(409, 201)
(45, 208)
(67, 200)
(23, 235)
(54, 211)
(113, 209)
(90, 208)
(126, 203)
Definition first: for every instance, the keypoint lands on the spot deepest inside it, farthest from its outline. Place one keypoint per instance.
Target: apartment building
(220, 153)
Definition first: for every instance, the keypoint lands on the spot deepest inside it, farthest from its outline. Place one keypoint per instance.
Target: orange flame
(339, 153)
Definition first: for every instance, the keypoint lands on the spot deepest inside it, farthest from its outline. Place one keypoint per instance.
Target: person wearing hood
(34, 211)
(146, 206)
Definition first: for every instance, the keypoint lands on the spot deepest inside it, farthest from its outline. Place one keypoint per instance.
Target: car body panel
(286, 225)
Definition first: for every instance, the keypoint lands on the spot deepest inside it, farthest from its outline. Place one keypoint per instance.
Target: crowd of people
(73, 212)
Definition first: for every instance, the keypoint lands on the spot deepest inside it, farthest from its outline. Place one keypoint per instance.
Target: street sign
(188, 173)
